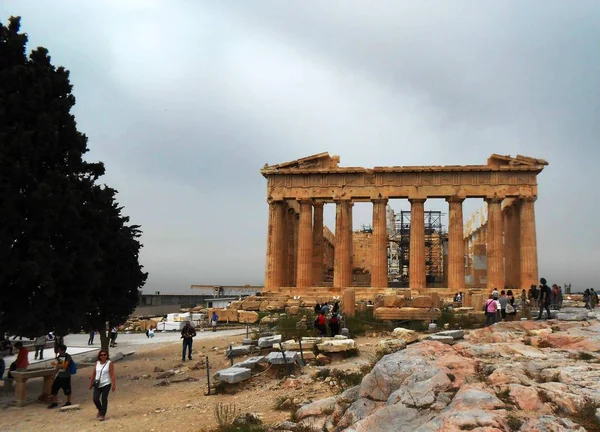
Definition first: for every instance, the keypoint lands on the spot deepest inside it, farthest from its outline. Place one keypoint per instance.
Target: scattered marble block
(234, 375)
(455, 334)
(340, 336)
(70, 408)
(238, 350)
(307, 344)
(345, 332)
(443, 339)
(269, 341)
(569, 316)
(250, 363)
(276, 358)
(248, 342)
(337, 345)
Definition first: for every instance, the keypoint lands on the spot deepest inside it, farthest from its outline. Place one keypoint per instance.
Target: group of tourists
(590, 298)
(327, 316)
(502, 306)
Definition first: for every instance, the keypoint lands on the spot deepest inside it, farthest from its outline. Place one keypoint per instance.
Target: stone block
(238, 350)
(75, 407)
(307, 344)
(251, 305)
(278, 305)
(572, 316)
(269, 341)
(292, 310)
(408, 336)
(345, 332)
(225, 315)
(250, 363)
(422, 302)
(247, 316)
(455, 334)
(337, 345)
(233, 375)
(443, 339)
(276, 358)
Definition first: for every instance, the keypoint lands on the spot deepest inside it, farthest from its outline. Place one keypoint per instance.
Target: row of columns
(511, 244)
(295, 244)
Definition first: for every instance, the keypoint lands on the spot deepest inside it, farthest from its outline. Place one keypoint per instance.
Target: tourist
(503, 301)
(22, 361)
(214, 319)
(533, 294)
(593, 298)
(511, 308)
(459, 297)
(91, 338)
(559, 302)
(317, 308)
(320, 323)
(39, 344)
(114, 332)
(103, 380)
(544, 299)
(187, 334)
(587, 295)
(554, 298)
(490, 309)
(334, 324)
(63, 377)
(495, 293)
(58, 341)
(336, 308)
(151, 332)
(455, 299)
(325, 308)
(523, 296)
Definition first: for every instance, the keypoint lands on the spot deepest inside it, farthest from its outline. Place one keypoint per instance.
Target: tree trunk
(104, 340)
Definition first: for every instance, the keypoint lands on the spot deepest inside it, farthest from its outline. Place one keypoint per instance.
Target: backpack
(72, 366)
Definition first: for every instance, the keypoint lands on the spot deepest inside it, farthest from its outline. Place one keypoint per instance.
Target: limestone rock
(388, 346)
(247, 316)
(408, 336)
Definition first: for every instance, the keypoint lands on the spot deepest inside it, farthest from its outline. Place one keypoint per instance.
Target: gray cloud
(185, 102)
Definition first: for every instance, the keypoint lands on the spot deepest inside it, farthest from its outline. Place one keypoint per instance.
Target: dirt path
(140, 405)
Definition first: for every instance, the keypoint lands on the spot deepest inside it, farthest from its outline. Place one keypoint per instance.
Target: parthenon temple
(496, 248)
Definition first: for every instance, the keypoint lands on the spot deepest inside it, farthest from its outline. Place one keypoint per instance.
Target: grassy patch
(286, 326)
(586, 416)
(345, 379)
(451, 377)
(514, 423)
(364, 322)
(585, 356)
(504, 396)
(458, 321)
(527, 341)
(544, 344)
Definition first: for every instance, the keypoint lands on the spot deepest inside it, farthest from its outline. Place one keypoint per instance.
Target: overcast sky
(185, 101)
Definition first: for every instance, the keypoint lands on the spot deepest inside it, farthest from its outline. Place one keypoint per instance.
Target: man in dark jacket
(187, 334)
(545, 297)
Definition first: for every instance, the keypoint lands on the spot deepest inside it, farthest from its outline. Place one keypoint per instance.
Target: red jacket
(22, 358)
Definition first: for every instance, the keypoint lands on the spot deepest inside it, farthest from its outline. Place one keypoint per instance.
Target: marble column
(416, 267)
(318, 244)
(456, 245)
(274, 279)
(510, 218)
(291, 247)
(379, 245)
(528, 240)
(342, 262)
(495, 253)
(305, 246)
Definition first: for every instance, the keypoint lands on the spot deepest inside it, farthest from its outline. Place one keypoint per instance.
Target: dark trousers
(39, 349)
(543, 306)
(2, 367)
(101, 404)
(187, 344)
(490, 318)
(91, 339)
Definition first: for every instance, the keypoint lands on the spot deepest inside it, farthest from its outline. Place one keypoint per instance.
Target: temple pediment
(316, 161)
(497, 160)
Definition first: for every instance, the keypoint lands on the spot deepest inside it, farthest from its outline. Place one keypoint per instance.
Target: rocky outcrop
(525, 376)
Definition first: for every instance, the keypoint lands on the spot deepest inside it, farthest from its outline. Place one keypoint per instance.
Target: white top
(103, 374)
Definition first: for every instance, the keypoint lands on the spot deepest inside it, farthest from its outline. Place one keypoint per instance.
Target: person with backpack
(103, 380)
(334, 324)
(65, 368)
(321, 323)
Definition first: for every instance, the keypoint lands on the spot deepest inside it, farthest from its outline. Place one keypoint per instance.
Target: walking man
(187, 334)
(91, 338)
(39, 343)
(63, 377)
(545, 297)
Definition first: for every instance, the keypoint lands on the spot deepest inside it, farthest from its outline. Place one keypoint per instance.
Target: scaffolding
(399, 259)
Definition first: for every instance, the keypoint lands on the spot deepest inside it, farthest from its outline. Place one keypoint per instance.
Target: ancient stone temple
(298, 243)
